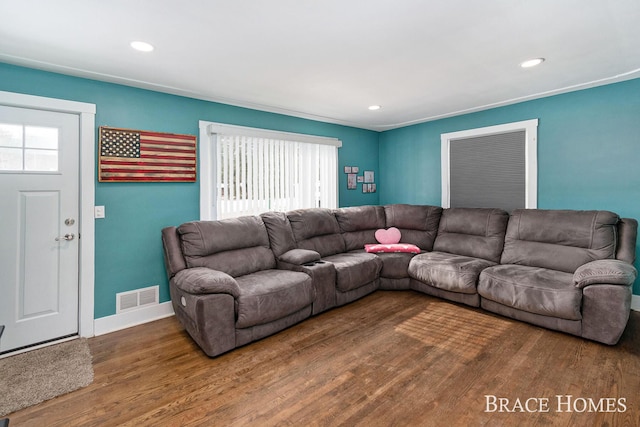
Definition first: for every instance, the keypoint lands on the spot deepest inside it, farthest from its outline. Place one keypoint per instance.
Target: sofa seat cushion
(454, 273)
(354, 269)
(395, 264)
(533, 289)
(270, 295)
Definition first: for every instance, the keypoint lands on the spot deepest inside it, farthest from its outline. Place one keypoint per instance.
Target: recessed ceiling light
(374, 107)
(142, 46)
(532, 62)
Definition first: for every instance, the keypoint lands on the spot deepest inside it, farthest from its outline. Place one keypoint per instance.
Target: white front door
(39, 212)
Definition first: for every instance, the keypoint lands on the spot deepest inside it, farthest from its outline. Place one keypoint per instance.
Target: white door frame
(86, 230)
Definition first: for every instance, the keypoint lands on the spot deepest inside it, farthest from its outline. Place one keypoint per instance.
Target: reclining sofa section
(238, 280)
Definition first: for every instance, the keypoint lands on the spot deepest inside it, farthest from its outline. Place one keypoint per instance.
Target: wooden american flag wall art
(127, 155)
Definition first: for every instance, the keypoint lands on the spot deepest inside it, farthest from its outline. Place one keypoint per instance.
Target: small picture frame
(369, 188)
(355, 169)
(347, 169)
(351, 181)
(360, 178)
(368, 176)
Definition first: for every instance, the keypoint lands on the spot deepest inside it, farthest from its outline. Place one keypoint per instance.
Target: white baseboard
(635, 302)
(105, 325)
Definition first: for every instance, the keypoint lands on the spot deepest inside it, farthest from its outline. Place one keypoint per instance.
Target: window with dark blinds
(488, 171)
(493, 167)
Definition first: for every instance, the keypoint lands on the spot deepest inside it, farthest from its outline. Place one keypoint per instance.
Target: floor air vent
(131, 300)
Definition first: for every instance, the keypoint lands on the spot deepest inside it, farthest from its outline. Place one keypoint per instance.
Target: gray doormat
(33, 377)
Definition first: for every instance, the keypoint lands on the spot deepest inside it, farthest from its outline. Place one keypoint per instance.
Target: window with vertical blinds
(491, 167)
(256, 171)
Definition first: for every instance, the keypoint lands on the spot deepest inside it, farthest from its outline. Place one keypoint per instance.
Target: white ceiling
(330, 59)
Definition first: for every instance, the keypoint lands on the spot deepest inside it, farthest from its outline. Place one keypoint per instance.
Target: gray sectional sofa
(235, 281)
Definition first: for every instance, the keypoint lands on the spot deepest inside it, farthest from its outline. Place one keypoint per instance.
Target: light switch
(98, 211)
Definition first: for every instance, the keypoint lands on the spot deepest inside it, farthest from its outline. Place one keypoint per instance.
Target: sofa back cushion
(236, 246)
(358, 225)
(418, 224)
(316, 229)
(473, 232)
(560, 240)
(279, 231)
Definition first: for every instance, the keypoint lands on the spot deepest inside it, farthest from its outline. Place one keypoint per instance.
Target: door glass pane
(41, 160)
(10, 159)
(10, 135)
(38, 154)
(41, 137)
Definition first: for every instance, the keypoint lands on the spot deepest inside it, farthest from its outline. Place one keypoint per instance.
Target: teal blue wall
(588, 151)
(128, 246)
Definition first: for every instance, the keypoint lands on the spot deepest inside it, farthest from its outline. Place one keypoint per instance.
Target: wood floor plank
(389, 359)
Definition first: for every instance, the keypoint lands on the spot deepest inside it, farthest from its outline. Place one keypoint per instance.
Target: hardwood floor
(390, 359)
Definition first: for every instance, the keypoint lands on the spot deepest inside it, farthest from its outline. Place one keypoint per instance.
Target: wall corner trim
(116, 322)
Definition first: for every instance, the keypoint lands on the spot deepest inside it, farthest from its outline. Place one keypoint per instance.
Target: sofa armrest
(605, 271)
(202, 280)
(299, 256)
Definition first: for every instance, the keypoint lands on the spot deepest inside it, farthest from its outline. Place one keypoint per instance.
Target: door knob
(67, 237)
